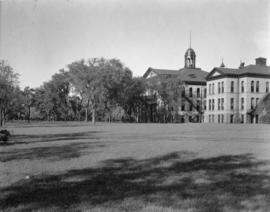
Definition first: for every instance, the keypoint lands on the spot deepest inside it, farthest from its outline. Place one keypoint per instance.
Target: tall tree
(169, 91)
(100, 83)
(8, 84)
(28, 94)
(52, 97)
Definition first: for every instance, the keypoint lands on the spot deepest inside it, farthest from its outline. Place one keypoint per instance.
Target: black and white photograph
(134, 106)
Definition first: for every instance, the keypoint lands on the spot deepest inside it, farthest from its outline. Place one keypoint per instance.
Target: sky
(40, 37)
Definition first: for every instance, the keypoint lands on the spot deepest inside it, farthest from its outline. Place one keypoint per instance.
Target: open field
(135, 167)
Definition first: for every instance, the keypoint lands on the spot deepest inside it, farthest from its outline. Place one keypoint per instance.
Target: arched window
(190, 92)
(232, 86)
(198, 92)
(257, 86)
(252, 86)
(267, 87)
(232, 103)
(252, 103)
(242, 87)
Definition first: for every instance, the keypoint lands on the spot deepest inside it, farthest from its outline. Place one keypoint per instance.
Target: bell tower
(190, 56)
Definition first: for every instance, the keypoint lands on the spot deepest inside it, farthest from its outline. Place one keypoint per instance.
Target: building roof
(188, 75)
(250, 70)
(192, 75)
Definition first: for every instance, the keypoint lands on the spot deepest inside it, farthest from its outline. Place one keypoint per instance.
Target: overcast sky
(39, 37)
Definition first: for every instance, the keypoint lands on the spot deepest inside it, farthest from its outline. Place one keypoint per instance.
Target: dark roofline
(236, 75)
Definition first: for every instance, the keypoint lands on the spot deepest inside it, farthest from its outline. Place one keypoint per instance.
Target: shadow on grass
(23, 124)
(61, 152)
(32, 138)
(177, 180)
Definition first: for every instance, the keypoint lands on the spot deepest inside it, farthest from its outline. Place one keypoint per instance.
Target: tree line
(97, 89)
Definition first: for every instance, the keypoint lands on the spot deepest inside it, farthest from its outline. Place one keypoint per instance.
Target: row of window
(198, 92)
(220, 104)
(220, 118)
(211, 118)
(253, 88)
(211, 88)
(211, 104)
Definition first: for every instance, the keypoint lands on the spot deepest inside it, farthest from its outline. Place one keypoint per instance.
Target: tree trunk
(29, 114)
(93, 116)
(1, 118)
(86, 115)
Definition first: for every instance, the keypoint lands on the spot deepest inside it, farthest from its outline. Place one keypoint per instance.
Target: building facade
(192, 100)
(234, 94)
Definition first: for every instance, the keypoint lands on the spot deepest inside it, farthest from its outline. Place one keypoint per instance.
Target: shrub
(4, 136)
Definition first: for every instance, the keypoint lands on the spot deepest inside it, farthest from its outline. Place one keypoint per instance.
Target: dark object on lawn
(4, 135)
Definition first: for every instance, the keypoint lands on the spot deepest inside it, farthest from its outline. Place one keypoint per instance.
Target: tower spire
(222, 63)
(190, 39)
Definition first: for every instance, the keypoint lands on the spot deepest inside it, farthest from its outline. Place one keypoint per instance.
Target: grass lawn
(135, 167)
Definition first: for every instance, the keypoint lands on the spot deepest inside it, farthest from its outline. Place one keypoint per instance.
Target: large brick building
(194, 81)
(233, 95)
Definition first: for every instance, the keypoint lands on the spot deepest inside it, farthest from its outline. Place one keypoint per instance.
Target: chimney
(242, 65)
(260, 61)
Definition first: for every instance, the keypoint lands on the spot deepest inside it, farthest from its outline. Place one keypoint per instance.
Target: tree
(52, 97)
(8, 86)
(100, 83)
(133, 97)
(28, 94)
(169, 91)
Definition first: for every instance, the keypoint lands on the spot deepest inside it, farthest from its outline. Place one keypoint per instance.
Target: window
(183, 93)
(190, 92)
(257, 86)
(190, 107)
(222, 104)
(252, 103)
(213, 104)
(267, 87)
(198, 92)
(257, 101)
(209, 106)
(242, 87)
(222, 87)
(204, 104)
(183, 106)
(209, 89)
(209, 117)
(242, 118)
(232, 86)
(204, 93)
(198, 106)
(252, 87)
(242, 103)
(218, 104)
(213, 118)
(232, 103)
(218, 118)
(218, 87)
(222, 118)
(213, 88)
(231, 118)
